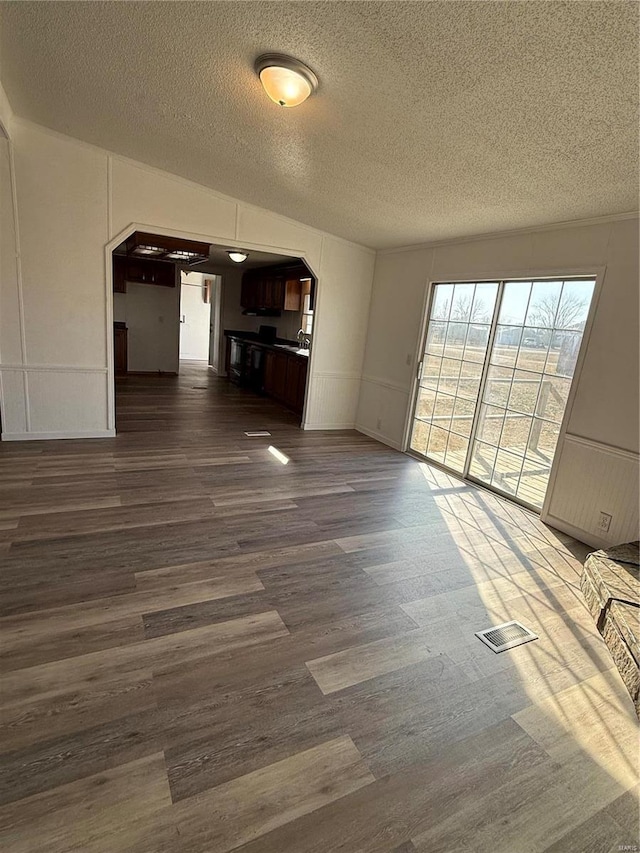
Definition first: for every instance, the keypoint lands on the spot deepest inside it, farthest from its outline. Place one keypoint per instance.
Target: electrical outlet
(379, 424)
(605, 522)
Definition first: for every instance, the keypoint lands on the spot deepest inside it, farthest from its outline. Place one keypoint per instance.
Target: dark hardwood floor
(206, 650)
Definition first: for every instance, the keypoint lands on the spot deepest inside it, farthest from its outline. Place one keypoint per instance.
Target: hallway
(205, 649)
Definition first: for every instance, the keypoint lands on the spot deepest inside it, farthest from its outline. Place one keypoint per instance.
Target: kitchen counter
(276, 369)
(280, 344)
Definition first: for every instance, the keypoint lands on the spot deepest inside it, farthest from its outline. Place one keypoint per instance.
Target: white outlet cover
(605, 521)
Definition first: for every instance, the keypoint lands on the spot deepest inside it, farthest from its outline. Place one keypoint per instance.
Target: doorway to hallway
(195, 316)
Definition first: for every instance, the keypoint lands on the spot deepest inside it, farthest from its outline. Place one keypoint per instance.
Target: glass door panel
(495, 379)
(528, 377)
(451, 371)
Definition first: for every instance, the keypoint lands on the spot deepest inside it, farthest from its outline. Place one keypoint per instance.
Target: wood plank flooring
(204, 650)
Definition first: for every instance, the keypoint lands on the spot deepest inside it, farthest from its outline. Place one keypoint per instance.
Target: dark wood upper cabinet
(141, 272)
(273, 288)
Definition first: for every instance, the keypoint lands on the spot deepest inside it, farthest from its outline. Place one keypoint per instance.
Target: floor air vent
(257, 432)
(506, 636)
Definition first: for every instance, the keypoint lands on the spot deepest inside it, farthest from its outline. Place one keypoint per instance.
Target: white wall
(605, 410)
(153, 333)
(195, 315)
(57, 383)
(72, 201)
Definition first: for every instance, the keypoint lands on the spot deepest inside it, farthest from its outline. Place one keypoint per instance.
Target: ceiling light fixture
(286, 80)
(238, 257)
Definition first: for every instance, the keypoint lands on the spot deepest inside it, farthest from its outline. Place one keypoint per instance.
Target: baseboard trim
(327, 426)
(56, 436)
(378, 436)
(581, 535)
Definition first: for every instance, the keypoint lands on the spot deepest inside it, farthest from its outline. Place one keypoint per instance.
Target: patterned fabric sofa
(610, 583)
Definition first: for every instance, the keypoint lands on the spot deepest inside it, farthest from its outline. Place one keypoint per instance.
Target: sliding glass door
(494, 379)
(451, 371)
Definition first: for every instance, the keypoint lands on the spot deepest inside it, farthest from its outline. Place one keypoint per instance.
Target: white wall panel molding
(382, 410)
(165, 202)
(263, 230)
(332, 401)
(592, 478)
(384, 383)
(338, 374)
(59, 401)
(189, 184)
(56, 368)
(16, 227)
(56, 436)
(601, 446)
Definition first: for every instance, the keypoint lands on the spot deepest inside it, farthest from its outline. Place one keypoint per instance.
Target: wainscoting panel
(594, 478)
(61, 402)
(14, 402)
(382, 411)
(333, 400)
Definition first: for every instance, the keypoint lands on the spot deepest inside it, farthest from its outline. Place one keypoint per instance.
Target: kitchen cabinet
(275, 375)
(286, 379)
(269, 293)
(292, 294)
(273, 288)
(141, 272)
(120, 357)
(296, 383)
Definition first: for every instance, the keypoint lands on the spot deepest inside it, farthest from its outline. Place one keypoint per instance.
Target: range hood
(174, 249)
(262, 312)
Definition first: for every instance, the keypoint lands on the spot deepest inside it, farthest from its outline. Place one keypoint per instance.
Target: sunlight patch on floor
(521, 570)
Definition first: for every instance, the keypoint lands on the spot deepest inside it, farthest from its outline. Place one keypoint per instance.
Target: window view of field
(537, 337)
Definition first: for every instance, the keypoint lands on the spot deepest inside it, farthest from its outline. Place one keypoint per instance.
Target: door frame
(596, 272)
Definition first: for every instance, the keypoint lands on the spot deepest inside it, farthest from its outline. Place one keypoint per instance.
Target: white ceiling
(433, 119)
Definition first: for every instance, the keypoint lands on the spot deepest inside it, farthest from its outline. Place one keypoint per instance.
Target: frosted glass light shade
(284, 87)
(238, 257)
(285, 80)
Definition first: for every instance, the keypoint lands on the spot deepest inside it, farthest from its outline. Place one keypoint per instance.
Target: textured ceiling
(433, 119)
